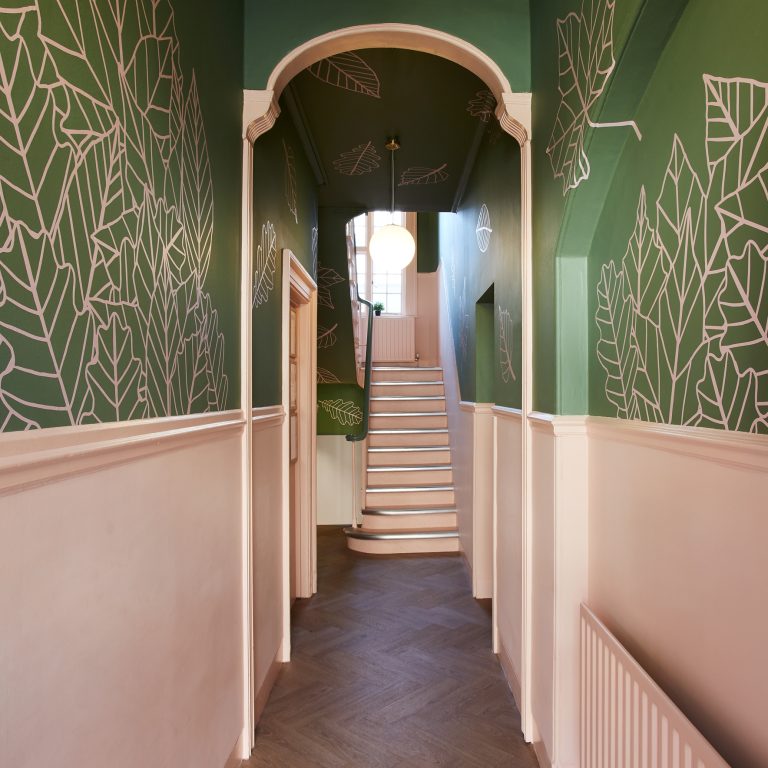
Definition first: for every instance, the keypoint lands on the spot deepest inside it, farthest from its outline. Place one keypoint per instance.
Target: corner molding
(515, 116)
(559, 426)
(260, 111)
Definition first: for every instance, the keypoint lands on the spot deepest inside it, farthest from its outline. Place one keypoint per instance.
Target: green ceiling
(348, 105)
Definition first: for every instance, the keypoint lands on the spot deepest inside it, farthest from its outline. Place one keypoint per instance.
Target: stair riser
(425, 477)
(401, 547)
(409, 498)
(408, 422)
(408, 458)
(406, 390)
(415, 439)
(407, 406)
(412, 374)
(409, 522)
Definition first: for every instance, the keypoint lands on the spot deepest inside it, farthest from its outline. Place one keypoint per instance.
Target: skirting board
(235, 759)
(541, 754)
(509, 673)
(262, 695)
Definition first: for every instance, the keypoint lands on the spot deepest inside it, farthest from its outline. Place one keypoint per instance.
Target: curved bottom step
(394, 542)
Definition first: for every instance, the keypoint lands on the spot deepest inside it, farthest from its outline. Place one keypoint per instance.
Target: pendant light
(392, 247)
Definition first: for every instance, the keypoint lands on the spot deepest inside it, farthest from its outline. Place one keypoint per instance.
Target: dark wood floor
(391, 667)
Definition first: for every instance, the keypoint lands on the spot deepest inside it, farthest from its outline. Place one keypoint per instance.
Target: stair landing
(409, 496)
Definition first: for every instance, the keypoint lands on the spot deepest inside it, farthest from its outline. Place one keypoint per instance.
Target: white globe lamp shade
(392, 247)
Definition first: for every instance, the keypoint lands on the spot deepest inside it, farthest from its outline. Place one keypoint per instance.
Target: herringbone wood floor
(391, 667)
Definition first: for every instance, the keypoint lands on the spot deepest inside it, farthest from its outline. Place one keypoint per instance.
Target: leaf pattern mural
(506, 331)
(264, 265)
(106, 231)
(418, 175)
(683, 324)
(324, 376)
(347, 413)
(290, 181)
(482, 106)
(349, 72)
(585, 64)
(326, 337)
(483, 229)
(358, 161)
(326, 279)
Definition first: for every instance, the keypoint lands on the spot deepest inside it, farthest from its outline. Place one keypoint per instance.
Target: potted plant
(378, 308)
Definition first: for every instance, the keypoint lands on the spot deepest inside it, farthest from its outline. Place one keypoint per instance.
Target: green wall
(339, 398)
(480, 249)
(284, 216)
(500, 28)
(120, 219)
(679, 263)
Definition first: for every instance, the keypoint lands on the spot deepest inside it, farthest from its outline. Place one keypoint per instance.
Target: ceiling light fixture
(392, 246)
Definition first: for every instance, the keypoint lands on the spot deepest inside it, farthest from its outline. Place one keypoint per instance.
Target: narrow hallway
(391, 666)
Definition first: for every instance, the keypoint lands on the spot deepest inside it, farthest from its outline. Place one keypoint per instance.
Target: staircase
(409, 497)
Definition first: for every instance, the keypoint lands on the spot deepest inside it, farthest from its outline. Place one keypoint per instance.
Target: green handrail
(367, 383)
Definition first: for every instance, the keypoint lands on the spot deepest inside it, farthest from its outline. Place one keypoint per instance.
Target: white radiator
(394, 339)
(627, 721)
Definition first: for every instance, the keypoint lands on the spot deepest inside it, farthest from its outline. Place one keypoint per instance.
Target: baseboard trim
(235, 759)
(509, 673)
(262, 695)
(540, 751)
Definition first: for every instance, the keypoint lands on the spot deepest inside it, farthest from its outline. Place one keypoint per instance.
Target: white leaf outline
(345, 412)
(566, 144)
(691, 264)
(348, 71)
(324, 376)
(359, 160)
(506, 330)
(326, 279)
(483, 105)
(114, 380)
(290, 181)
(326, 337)
(483, 230)
(138, 174)
(264, 265)
(418, 175)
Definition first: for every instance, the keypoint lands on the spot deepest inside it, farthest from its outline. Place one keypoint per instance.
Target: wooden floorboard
(391, 666)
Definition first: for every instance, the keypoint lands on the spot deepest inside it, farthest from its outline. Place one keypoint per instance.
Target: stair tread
(396, 511)
(404, 414)
(402, 533)
(406, 448)
(407, 430)
(405, 368)
(409, 467)
(409, 488)
(406, 383)
(409, 397)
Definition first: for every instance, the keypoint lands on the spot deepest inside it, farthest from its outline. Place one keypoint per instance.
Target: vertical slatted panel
(627, 721)
(394, 339)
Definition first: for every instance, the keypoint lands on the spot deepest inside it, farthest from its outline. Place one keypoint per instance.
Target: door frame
(299, 290)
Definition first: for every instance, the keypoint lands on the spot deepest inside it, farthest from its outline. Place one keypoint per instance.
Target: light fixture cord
(392, 174)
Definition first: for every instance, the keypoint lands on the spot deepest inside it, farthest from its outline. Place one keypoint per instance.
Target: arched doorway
(261, 110)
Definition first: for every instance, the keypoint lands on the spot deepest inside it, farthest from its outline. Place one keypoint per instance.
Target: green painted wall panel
(500, 28)
(480, 248)
(428, 242)
(119, 229)
(339, 409)
(284, 216)
(688, 206)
